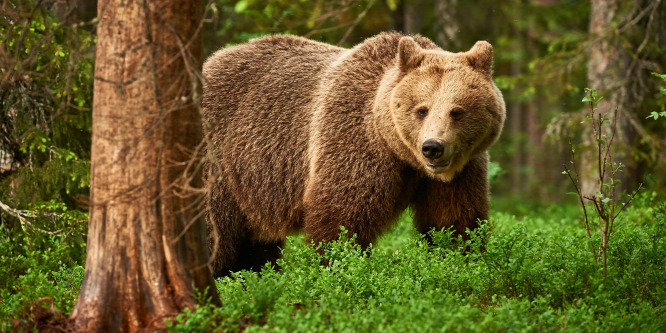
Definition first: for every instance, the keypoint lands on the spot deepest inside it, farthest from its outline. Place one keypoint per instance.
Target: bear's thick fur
(309, 136)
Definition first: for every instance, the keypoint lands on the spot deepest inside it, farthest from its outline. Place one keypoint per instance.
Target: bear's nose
(432, 149)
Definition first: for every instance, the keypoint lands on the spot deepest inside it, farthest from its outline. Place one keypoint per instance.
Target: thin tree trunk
(413, 17)
(516, 128)
(398, 16)
(146, 253)
(448, 26)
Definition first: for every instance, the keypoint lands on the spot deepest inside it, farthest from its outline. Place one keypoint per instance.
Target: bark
(619, 69)
(515, 120)
(146, 253)
(538, 155)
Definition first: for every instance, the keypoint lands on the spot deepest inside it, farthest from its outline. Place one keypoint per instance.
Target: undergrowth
(50, 269)
(536, 274)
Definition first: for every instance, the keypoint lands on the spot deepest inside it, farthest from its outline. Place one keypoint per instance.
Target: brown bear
(309, 136)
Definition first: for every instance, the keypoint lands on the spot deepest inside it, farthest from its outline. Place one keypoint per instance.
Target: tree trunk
(619, 69)
(146, 253)
(413, 16)
(447, 25)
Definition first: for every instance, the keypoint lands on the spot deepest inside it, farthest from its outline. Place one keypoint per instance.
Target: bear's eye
(457, 113)
(422, 112)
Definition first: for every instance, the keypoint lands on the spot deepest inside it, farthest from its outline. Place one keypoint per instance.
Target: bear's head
(445, 107)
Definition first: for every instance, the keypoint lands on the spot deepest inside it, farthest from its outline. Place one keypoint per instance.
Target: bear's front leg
(347, 205)
(363, 197)
(459, 204)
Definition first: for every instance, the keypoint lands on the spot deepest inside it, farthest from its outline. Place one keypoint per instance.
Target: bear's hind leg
(230, 242)
(226, 228)
(225, 242)
(253, 255)
(235, 251)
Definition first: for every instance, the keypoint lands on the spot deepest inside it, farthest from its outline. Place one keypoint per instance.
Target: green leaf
(654, 115)
(597, 101)
(661, 76)
(241, 6)
(591, 97)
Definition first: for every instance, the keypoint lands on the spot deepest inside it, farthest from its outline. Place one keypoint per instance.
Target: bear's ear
(480, 57)
(409, 54)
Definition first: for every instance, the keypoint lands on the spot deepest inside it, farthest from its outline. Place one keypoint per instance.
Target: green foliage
(655, 115)
(45, 108)
(549, 69)
(45, 104)
(536, 274)
(329, 21)
(32, 271)
(45, 101)
(592, 98)
(604, 203)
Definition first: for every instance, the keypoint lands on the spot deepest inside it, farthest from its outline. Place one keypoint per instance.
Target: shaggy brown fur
(308, 136)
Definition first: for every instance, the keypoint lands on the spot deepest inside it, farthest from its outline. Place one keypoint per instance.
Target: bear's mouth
(438, 166)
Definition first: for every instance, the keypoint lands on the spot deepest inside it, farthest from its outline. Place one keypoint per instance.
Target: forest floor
(537, 273)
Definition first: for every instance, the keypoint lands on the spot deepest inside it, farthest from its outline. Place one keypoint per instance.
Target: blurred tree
(147, 255)
(447, 24)
(541, 73)
(628, 41)
(413, 20)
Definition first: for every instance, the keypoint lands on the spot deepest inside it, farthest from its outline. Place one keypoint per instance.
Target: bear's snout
(432, 149)
(438, 155)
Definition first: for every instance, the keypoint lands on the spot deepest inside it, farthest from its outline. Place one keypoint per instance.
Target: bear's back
(285, 61)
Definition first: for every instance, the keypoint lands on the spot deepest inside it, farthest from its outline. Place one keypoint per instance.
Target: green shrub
(30, 274)
(536, 274)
